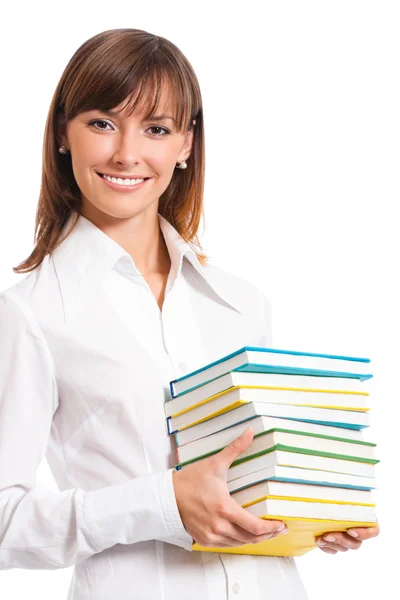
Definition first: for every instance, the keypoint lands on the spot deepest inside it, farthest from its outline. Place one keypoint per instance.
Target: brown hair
(106, 69)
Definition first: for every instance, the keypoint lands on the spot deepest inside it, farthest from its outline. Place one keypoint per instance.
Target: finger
(363, 533)
(243, 536)
(227, 542)
(251, 523)
(342, 539)
(226, 456)
(337, 547)
(328, 550)
(229, 545)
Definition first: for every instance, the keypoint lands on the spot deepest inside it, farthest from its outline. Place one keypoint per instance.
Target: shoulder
(245, 291)
(19, 323)
(17, 302)
(15, 314)
(227, 277)
(246, 296)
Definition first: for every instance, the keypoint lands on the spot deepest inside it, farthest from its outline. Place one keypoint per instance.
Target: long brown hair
(104, 71)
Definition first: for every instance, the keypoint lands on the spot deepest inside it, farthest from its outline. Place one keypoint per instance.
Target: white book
(236, 396)
(251, 358)
(261, 424)
(280, 380)
(299, 475)
(258, 492)
(320, 417)
(298, 397)
(302, 461)
(313, 510)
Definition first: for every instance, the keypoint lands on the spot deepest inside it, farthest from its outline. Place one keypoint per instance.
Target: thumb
(226, 456)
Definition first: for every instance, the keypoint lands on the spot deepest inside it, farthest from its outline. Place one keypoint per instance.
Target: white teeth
(121, 181)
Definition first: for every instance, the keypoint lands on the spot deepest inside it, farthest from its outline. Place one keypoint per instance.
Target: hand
(210, 515)
(346, 540)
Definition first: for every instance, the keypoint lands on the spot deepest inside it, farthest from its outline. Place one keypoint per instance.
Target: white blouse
(86, 357)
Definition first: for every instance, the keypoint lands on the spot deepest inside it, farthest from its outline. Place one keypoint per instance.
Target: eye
(103, 122)
(166, 131)
(92, 123)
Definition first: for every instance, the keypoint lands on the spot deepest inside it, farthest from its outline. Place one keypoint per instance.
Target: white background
(301, 106)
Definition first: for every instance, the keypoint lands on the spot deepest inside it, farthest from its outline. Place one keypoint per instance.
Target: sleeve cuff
(178, 534)
(135, 511)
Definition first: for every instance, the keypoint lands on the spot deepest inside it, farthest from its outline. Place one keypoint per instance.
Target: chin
(125, 209)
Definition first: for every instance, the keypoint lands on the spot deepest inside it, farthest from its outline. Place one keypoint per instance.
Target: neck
(139, 235)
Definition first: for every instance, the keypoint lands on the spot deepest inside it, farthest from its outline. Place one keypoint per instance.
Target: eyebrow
(113, 113)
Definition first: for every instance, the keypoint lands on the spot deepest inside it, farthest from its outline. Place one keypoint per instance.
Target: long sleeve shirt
(86, 357)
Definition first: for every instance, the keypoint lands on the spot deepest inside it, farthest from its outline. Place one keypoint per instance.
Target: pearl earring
(62, 150)
(182, 165)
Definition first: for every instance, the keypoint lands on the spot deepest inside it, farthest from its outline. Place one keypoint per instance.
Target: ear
(187, 146)
(62, 131)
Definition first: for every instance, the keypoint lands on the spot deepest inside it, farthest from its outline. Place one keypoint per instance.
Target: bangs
(121, 69)
(147, 88)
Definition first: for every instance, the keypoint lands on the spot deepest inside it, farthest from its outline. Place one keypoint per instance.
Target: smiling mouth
(123, 178)
(121, 185)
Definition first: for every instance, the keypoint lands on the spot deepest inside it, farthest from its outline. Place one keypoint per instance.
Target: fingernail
(330, 538)
(282, 530)
(352, 533)
(278, 533)
(321, 543)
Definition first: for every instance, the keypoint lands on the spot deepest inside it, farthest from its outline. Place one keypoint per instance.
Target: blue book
(268, 360)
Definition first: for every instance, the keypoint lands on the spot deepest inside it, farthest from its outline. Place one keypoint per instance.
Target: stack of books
(308, 464)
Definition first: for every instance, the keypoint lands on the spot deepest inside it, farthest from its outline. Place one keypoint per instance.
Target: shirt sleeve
(42, 529)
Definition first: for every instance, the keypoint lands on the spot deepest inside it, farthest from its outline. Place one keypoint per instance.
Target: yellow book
(299, 540)
(181, 416)
(305, 520)
(323, 501)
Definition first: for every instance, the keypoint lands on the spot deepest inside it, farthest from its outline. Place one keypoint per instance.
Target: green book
(303, 443)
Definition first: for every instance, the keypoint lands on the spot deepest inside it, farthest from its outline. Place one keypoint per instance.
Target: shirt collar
(87, 254)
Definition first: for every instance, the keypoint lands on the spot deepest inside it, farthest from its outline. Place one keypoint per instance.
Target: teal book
(268, 360)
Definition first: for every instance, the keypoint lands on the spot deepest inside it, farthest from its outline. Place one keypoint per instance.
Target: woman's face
(126, 147)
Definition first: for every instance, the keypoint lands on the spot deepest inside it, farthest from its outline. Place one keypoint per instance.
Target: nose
(128, 148)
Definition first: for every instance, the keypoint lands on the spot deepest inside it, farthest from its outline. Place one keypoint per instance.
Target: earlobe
(62, 132)
(61, 140)
(188, 148)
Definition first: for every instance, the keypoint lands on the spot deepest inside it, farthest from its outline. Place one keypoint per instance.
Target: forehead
(145, 102)
(145, 99)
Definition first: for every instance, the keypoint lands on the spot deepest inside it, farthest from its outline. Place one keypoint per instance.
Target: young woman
(119, 300)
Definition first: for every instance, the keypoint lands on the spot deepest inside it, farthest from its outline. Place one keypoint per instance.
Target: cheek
(85, 159)
(95, 153)
(162, 154)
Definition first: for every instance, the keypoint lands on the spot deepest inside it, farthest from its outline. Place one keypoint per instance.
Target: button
(182, 366)
(236, 588)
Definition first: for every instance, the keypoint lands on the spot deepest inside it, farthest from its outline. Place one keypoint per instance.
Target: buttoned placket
(180, 334)
(176, 322)
(241, 577)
